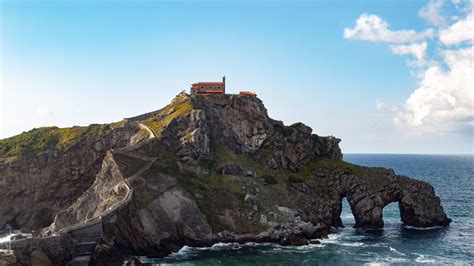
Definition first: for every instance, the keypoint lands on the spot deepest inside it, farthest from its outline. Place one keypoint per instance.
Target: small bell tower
(223, 81)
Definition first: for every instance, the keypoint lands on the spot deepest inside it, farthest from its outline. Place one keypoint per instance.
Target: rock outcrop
(36, 185)
(202, 170)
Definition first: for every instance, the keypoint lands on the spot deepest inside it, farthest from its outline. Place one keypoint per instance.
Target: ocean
(452, 178)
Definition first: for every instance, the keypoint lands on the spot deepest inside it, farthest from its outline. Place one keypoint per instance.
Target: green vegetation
(296, 125)
(44, 138)
(225, 156)
(325, 163)
(269, 179)
(220, 197)
(128, 165)
(216, 194)
(168, 113)
(206, 164)
(294, 179)
(118, 124)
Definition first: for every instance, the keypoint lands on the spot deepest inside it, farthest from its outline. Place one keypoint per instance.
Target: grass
(294, 179)
(296, 125)
(44, 138)
(269, 179)
(118, 124)
(325, 163)
(225, 156)
(217, 193)
(206, 164)
(175, 109)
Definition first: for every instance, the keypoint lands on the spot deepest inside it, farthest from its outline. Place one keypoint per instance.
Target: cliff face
(214, 168)
(36, 184)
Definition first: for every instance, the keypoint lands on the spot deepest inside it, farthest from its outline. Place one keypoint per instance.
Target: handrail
(116, 205)
(112, 208)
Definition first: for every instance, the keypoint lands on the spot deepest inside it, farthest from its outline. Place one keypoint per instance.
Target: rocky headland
(202, 170)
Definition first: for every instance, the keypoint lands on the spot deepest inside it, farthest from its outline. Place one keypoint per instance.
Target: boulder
(38, 258)
(249, 198)
(154, 195)
(230, 169)
(250, 173)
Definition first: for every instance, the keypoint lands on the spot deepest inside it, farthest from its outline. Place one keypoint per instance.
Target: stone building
(208, 87)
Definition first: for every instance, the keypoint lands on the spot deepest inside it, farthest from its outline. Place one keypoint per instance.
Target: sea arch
(368, 196)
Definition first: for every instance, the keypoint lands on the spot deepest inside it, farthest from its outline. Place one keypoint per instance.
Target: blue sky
(75, 63)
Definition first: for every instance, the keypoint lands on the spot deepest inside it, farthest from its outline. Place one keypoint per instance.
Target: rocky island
(202, 170)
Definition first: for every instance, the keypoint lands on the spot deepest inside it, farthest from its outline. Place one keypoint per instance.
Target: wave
(387, 261)
(187, 251)
(343, 239)
(421, 228)
(396, 251)
(423, 259)
(6, 238)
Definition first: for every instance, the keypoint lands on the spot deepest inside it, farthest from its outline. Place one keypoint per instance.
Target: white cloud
(381, 106)
(432, 12)
(416, 49)
(372, 28)
(444, 99)
(461, 31)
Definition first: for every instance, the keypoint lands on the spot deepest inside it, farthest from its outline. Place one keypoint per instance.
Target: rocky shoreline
(204, 169)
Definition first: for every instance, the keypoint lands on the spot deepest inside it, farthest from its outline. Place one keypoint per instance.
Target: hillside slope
(215, 169)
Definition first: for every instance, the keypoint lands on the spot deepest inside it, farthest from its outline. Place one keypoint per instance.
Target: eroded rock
(192, 185)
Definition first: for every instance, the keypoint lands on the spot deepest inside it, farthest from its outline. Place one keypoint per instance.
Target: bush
(296, 125)
(294, 179)
(206, 164)
(269, 179)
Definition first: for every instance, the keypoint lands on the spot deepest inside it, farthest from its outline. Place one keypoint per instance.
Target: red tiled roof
(208, 83)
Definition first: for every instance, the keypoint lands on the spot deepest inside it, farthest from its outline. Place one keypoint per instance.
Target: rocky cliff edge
(204, 169)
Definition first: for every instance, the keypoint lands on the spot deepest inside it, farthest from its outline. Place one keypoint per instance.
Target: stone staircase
(86, 235)
(84, 242)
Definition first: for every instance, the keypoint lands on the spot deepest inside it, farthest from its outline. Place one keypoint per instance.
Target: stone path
(86, 235)
(150, 131)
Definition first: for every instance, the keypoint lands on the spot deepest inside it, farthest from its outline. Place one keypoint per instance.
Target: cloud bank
(443, 100)
(461, 31)
(372, 28)
(432, 12)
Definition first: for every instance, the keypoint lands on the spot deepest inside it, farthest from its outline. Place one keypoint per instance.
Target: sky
(384, 76)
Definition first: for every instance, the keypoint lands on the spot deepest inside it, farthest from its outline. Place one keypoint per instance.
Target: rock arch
(368, 195)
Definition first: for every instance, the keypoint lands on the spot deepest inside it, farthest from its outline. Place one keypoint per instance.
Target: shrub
(269, 179)
(294, 179)
(296, 125)
(206, 164)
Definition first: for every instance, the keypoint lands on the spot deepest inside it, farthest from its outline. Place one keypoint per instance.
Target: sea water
(450, 175)
(6, 236)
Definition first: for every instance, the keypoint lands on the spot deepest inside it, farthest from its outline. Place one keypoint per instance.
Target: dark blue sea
(452, 178)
